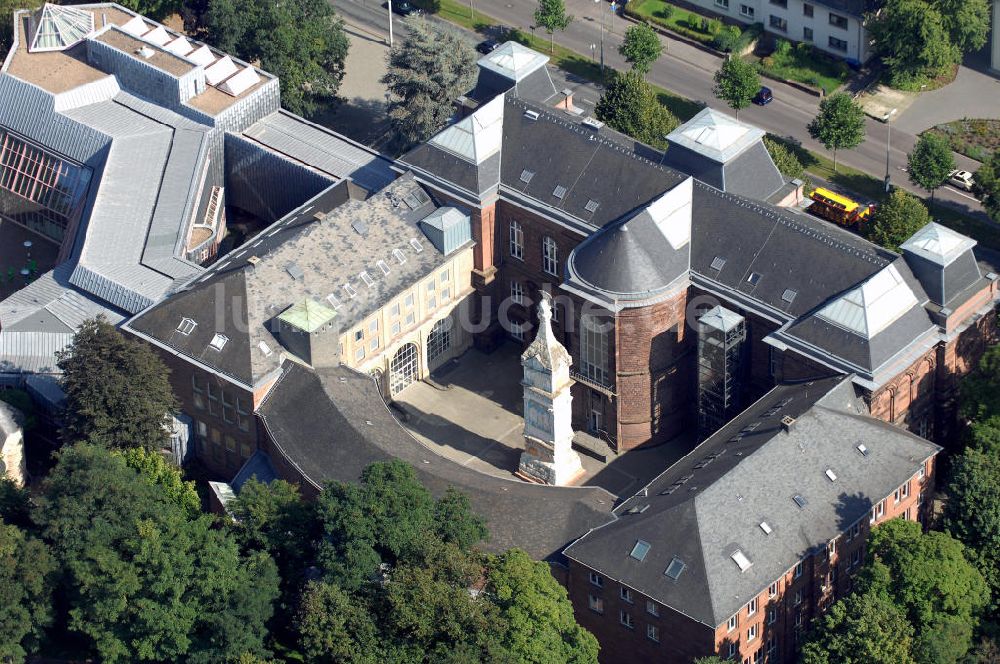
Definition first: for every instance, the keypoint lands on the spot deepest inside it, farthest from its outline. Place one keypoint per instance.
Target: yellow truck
(837, 208)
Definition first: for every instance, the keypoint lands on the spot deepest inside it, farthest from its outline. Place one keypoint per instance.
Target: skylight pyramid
(56, 28)
(872, 306)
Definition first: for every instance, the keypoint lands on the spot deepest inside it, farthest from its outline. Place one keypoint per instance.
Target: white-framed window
(831, 548)
(722, 3)
(594, 349)
(373, 344)
(516, 292)
(798, 569)
(751, 633)
(904, 490)
(746, 10)
(596, 580)
(895, 496)
(772, 590)
(625, 618)
(878, 511)
(922, 473)
(653, 633)
(550, 256)
(837, 44)
(408, 302)
(516, 241)
(772, 615)
(752, 607)
(855, 557)
(444, 277)
(596, 603)
(734, 647)
(359, 354)
(798, 598)
(439, 339)
(652, 608)
(373, 325)
(410, 319)
(734, 620)
(626, 594)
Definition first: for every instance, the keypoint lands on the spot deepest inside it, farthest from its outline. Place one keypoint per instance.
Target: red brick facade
(632, 627)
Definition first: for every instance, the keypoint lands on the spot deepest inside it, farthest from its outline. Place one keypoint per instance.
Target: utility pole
(390, 23)
(472, 11)
(602, 36)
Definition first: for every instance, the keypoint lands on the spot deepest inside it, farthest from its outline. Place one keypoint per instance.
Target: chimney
(567, 102)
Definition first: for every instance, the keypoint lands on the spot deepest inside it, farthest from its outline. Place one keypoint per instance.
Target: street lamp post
(602, 36)
(887, 119)
(390, 23)
(593, 52)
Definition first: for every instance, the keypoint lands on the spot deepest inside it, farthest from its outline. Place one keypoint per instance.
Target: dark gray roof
(711, 503)
(292, 263)
(257, 467)
(856, 8)
(330, 425)
(753, 173)
(945, 285)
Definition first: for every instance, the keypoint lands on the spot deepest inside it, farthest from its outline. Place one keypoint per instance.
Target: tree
(736, 83)
(863, 628)
(929, 578)
(117, 390)
(967, 22)
(972, 511)
(427, 72)
(165, 476)
(931, 162)
(336, 627)
(981, 389)
(641, 47)
(301, 41)
(7, 9)
(896, 220)
(541, 626)
(911, 37)
(154, 9)
(986, 184)
(784, 159)
(141, 578)
(551, 15)
(629, 104)
(839, 125)
(26, 581)
(429, 6)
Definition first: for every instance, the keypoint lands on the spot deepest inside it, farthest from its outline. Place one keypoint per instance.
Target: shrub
(727, 38)
(786, 161)
(782, 47)
(767, 62)
(666, 12)
(714, 26)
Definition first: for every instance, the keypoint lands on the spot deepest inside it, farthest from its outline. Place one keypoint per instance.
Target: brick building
(389, 306)
(727, 553)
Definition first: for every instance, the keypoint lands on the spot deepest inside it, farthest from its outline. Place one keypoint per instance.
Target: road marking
(963, 194)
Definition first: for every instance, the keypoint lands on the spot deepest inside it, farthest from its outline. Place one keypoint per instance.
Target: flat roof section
(159, 58)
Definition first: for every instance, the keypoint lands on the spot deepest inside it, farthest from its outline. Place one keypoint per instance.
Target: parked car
(961, 179)
(404, 8)
(763, 97)
(488, 46)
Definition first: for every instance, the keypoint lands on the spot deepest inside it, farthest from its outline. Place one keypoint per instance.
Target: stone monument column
(548, 457)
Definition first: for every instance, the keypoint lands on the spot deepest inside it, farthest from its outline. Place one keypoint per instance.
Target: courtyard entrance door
(403, 368)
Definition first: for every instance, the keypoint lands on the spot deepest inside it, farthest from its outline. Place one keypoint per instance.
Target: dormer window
(219, 341)
(186, 326)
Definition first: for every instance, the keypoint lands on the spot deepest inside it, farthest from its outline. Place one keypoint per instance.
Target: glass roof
(56, 28)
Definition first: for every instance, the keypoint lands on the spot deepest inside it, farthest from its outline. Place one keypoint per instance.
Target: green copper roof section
(307, 315)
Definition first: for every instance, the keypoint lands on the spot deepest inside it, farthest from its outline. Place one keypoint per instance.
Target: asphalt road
(688, 71)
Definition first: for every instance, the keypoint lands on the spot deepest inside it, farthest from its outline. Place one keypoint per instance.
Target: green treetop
(896, 219)
(117, 390)
(629, 104)
(551, 15)
(931, 162)
(839, 125)
(736, 83)
(641, 47)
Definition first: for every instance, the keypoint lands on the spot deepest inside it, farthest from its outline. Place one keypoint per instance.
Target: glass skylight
(675, 568)
(56, 27)
(741, 560)
(640, 550)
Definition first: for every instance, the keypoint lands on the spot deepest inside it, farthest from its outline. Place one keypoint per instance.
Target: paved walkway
(471, 413)
(975, 93)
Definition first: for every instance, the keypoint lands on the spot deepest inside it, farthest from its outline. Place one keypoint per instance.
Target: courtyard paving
(14, 256)
(470, 411)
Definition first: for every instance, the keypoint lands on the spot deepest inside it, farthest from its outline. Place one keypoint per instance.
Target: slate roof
(943, 261)
(711, 503)
(291, 263)
(330, 425)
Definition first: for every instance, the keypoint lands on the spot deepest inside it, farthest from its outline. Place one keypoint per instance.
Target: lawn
(976, 139)
(803, 64)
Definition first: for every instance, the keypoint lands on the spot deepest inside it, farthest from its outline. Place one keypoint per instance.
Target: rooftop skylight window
(399, 256)
(675, 568)
(863, 449)
(186, 326)
(382, 265)
(333, 300)
(765, 526)
(741, 560)
(526, 176)
(832, 476)
(718, 263)
(789, 295)
(219, 341)
(591, 205)
(753, 278)
(559, 191)
(800, 501)
(351, 292)
(264, 348)
(367, 278)
(415, 245)
(640, 550)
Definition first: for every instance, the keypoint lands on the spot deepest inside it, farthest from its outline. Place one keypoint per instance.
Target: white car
(961, 179)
